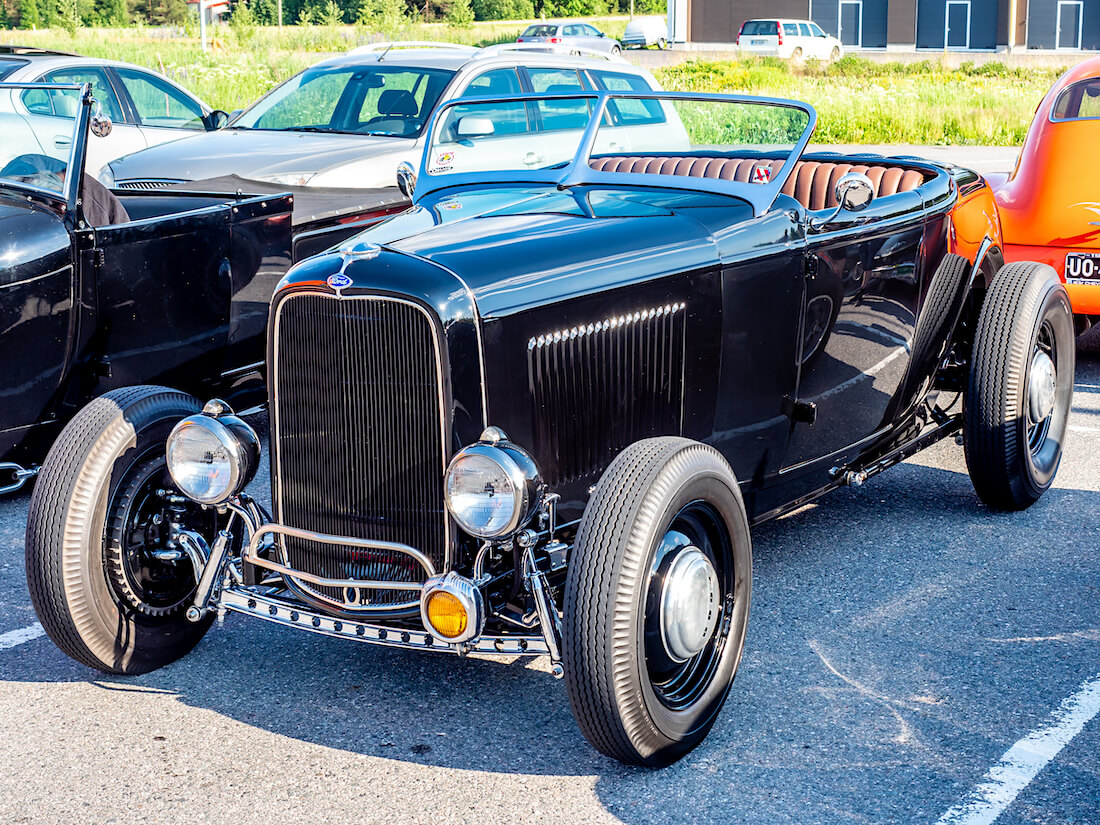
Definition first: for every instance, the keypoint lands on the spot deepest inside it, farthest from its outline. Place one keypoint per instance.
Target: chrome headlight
(493, 487)
(213, 455)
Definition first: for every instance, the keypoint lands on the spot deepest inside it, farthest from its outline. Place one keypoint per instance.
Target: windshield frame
(77, 151)
(578, 172)
(351, 68)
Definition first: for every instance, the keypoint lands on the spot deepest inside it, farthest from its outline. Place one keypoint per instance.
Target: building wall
(1042, 17)
(901, 26)
(719, 21)
(983, 23)
(826, 14)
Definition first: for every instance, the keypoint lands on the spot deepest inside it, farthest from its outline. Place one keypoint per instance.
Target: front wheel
(657, 601)
(615, 50)
(108, 586)
(1021, 386)
(662, 44)
(834, 55)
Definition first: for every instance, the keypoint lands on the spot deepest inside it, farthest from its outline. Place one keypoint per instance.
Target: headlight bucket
(213, 455)
(492, 488)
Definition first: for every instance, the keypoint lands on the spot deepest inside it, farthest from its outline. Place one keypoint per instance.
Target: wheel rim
(695, 553)
(146, 574)
(1042, 389)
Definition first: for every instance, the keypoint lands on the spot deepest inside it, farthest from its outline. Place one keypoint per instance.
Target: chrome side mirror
(100, 125)
(471, 127)
(406, 178)
(853, 192)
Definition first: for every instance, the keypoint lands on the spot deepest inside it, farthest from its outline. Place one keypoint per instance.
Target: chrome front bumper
(289, 613)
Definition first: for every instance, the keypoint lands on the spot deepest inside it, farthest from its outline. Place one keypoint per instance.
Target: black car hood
(517, 247)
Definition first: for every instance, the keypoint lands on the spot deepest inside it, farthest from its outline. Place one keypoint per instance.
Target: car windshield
(7, 66)
(717, 142)
(27, 161)
(393, 101)
(1081, 101)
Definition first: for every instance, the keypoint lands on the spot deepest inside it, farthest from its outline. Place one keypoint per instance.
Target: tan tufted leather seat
(812, 183)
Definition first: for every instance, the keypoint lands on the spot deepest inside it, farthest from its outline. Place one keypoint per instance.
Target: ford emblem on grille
(339, 281)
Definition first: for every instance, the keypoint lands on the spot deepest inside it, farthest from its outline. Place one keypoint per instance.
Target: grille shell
(359, 438)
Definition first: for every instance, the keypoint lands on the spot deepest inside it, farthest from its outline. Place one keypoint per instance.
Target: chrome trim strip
(251, 557)
(242, 370)
(273, 382)
(613, 322)
(290, 614)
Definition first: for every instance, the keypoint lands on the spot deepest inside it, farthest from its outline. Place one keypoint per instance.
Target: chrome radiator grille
(358, 440)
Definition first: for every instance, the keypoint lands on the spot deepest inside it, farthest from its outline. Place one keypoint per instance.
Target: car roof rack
(547, 48)
(382, 48)
(32, 51)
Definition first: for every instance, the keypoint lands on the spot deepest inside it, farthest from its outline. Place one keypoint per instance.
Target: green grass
(857, 101)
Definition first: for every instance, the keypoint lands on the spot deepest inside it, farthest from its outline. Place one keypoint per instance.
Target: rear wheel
(108, 587)
(662, 43)
(797, 53)
(657, 601)
(1021, 386)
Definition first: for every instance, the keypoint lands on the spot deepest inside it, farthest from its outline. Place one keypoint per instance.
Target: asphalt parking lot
(903, 639)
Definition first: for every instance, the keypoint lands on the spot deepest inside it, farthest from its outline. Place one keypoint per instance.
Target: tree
(459, 13)
(29, 17)
(111, 13)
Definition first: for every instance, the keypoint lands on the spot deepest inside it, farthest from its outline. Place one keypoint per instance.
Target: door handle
(61, 141)
(532, 158)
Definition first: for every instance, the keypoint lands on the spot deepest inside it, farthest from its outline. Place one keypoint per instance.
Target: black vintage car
(539, 413)
(101, 290)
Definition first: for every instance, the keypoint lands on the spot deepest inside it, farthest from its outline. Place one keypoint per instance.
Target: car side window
(66, 103)
(559, 114)
(158, 103)
(494, 82)
(804, 30)
(574, 31)
(1081, 101)
(629, 112)
(790, 30)
(507, 118)
(816, 30)
(591, 32)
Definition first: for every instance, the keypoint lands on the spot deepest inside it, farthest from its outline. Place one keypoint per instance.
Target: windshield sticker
(452, 205)
(761, 174)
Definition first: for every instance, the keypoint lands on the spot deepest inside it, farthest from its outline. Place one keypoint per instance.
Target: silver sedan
(568, 35)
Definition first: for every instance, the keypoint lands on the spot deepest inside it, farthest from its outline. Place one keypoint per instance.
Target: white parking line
(23, 634)
(1020, 763)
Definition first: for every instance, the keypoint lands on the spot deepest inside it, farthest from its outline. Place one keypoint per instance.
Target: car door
(163, 112)
(861, 305)
(50, 114)
(821, 44)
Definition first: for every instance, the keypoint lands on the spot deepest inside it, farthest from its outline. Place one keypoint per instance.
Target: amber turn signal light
(446, 614)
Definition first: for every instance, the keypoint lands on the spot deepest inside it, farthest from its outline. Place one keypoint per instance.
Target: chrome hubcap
(1041, 386)
(690, 604)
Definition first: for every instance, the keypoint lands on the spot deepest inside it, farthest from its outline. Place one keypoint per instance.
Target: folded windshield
(716, 142)
(394, 101)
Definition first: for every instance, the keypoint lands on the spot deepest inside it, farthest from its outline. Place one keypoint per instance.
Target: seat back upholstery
(812, 183)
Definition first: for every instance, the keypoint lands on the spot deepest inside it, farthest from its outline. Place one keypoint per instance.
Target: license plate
(1083, 267)
(760, 42)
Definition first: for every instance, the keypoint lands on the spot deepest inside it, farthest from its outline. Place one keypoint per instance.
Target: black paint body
(579, 321)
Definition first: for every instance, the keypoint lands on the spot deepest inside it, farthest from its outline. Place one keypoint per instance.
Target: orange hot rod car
(1050, 206)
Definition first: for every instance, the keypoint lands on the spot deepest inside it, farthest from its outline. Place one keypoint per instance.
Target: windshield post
(77, 154)
(574, 173)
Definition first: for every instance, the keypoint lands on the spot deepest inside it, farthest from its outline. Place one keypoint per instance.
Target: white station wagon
(788, 39)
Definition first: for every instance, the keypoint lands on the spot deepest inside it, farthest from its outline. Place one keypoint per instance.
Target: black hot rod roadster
(538, 413)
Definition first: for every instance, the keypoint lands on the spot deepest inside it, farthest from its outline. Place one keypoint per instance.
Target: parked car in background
(1050, 206)
(567, 34)
(788, 39)
(99, 290)
(540, 412)
(145, 107)
(642, 32)
(350, 121)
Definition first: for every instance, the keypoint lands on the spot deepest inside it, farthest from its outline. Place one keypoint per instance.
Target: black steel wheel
(1021, 386)
(656, 601)
(106, 588)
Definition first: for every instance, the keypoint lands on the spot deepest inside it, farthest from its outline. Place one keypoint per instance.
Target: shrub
(460, 14)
